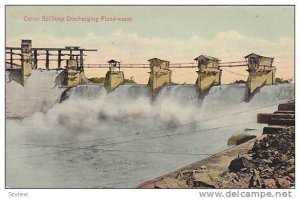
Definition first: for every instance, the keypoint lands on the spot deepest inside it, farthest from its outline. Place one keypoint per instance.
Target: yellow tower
(160, 74)
(261, 71)
(113, 78)
(75, 76)
(209, 73)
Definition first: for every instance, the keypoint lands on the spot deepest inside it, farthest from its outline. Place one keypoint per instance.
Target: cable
(129, 151)
(128, 141)
(154, 152)
(234, 72)
(233, 62)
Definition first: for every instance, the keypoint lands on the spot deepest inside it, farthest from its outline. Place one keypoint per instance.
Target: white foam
(128, 114)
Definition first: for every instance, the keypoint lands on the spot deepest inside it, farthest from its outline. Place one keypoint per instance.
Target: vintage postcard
(150, 96)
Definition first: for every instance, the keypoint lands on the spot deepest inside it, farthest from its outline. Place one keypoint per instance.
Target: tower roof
(257, 55)
(112, 61)
(207, 57)
(153, 59)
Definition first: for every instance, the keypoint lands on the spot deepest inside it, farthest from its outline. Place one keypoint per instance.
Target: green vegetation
(100, 80)
(282, 81)
(240, 82)
(97, 80)
(129, 81)
(277, 81)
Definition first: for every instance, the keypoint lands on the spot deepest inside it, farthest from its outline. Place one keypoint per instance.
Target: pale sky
(173, 33)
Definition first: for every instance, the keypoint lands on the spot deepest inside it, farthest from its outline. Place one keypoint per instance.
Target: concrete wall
(258, 79)
(159, 78)
(207, 78)
(39, 95)
(25, 61)
(26, 69)
(74, 78)
(160, 74)
(261, 73)
(113, 79)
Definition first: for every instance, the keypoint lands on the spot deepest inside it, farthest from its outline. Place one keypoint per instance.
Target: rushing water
(122, 138)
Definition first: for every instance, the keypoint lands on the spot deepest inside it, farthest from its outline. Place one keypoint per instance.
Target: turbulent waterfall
(218, 96)
(133, 105)
(124, 137)
(87, 91)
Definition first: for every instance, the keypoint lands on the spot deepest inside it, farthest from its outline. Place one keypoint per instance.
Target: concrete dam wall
(44, 89)
(221, 95)
(39, 95)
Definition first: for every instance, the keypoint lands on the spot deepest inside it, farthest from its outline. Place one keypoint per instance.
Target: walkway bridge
(209, 69)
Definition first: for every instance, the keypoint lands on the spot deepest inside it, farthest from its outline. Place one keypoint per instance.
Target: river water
(96, 139)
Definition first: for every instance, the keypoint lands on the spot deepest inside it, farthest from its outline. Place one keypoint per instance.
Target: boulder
(283, 183)
(239, 163)
(203, 180)
(269, 184)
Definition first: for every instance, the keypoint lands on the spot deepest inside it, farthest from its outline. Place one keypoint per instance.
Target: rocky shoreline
(267, 161)
(269, 164)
